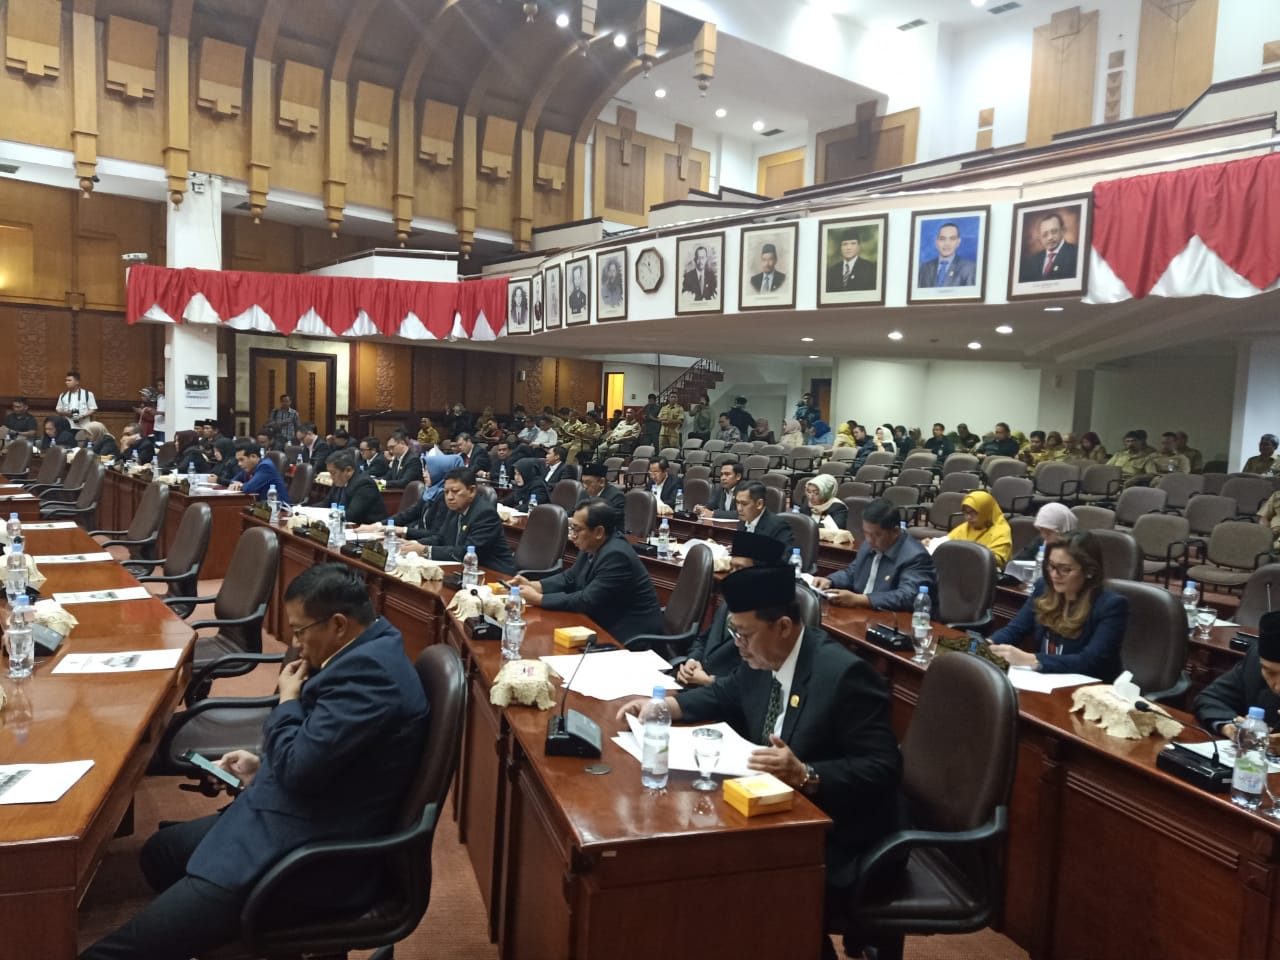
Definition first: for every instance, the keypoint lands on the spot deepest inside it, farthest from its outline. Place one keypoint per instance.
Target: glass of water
(512, 638)
(1205, 619)
(923, 642)
(706, 751)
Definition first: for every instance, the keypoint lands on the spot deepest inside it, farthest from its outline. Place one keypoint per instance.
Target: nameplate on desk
(374, 554)
(316, 532)
(260, 510)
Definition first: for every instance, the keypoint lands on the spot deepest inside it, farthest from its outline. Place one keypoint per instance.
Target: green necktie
(775, 710)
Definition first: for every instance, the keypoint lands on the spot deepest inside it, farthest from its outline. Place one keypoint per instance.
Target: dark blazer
(146, 450)
(839, 723)
(336, 764)
(479, 527)
(667, 492)
(707, 290)
(318, 455)
(722, 504)
(362, 498)
(400, 475)
(904, 569)
(477, 461)
(616, 498)
(963, 273)
(423, 520)
(563, 471)
(518, 498)
(1233, 693)
(861, 277)
(1064, 265)
(714, 647)
(838, 513)
(375, 467)
(1095, 653)
(779, 280)
(612, 588)
(771, 525)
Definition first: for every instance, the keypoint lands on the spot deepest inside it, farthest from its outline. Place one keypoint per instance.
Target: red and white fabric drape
(320, 306)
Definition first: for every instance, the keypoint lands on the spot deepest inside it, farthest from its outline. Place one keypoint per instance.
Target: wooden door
(308, 378)
(821, 390)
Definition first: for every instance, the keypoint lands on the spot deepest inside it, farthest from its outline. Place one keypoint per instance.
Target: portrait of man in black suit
(1057, 258)
(700, 279)
(769, 278)
(578, 292)
(699, 262)
(765, 265)
(1048, 239)
(852, 271)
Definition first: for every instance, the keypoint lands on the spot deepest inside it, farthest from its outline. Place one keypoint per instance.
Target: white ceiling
(956, 14)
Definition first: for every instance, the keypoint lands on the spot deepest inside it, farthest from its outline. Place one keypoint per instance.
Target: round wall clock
(649, 269)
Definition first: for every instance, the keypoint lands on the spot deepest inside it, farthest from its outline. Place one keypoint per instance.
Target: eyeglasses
(299, 631)
(1063, 569)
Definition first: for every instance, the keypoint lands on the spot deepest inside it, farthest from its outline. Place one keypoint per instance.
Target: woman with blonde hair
(1073, 624)
(985, 524)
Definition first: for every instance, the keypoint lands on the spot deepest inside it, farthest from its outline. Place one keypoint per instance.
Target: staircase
(691, 384)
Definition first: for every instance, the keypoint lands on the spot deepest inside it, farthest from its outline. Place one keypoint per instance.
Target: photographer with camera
(76, 403)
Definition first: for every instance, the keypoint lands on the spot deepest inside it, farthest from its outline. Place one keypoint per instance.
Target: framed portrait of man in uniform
(1050, 249)
(948, 255)
(766, 279)
(851, 256)
(698, 262)
(552, 284)
(578, 293)
(519, 314)
(611, 285)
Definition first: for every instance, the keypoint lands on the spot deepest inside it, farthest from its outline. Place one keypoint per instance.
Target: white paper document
(128, 661)
(734, 750)
(39, 782)
(104, 596)
(75, 558)
(1035, 682)
(17, 496)
(1226, 753)
(51, 525)
(612, 674)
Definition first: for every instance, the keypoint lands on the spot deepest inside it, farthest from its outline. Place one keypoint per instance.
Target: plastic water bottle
(13, 528)
(795, 508)
(502, 475)
(656, 719)
(298, 462)
(1040, 556)
(533, 501)
(1190, 600)
(15, 574)
(89, 446)
(514, 605)
(921, 616)
(21, 644)
(391, 544)
(679, 500)
(1250, 774)
(273, 501)
(797, 564)
(470, 567)
(664, 540)
(134, 456)
(191, 475)
(513, 630)
(336, 531)
(342, 520)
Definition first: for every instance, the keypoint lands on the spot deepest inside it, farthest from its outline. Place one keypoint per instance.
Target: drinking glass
(706, 750)
(924, 647)
(1205, 618)
(512, 639)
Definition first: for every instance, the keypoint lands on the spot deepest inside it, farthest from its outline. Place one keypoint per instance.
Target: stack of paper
(734, 750)
(39, 782)
(74, 558)
(51, 525)
(612, 674)
(1036, 682)
(129, 661)
(1226, 753)
(104, 596)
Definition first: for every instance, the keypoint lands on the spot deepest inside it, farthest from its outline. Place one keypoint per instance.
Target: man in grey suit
(889, 569)
(948, 270)
(769, 278)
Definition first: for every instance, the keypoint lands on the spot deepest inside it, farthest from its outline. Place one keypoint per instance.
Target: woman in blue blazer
(1070, 622)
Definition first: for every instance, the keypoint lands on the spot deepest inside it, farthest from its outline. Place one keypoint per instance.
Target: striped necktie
(775, 710)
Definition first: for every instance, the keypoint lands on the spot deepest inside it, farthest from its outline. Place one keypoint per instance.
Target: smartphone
(208, 766)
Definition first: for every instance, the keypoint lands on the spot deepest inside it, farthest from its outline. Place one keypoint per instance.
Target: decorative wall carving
(113, 332)
(301, 94)
(33, 44)
(221, 86)
(131, 58)
(371, 124)
(553, 160)
(33, 353)
(385, 375)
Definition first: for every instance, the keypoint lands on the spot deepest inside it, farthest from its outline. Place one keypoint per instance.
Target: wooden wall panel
(777, 173)
(219, 114)
(1064, 62)
(625, 192)
(38, 110)
(892, 144)
(1175, 54)
(266, 247)
(624, 183)
(433, 189)
(370, 179)
(132, 128)
(382, 376)
(578, 381)
(489, 379)
(494, 204)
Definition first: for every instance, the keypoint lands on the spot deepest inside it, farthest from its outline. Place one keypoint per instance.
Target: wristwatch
(811, 781)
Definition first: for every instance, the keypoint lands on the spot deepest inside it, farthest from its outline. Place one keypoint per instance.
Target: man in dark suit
(755, 517)
(853, 271)
(354, 490)
(472, 522)
(948, 270)
(577, 296)
(595, 484)
(723, 504)
(607, 582)
(1057, 259)
(314, 450)
(132, 443)
(663, 484)
(769, 278)
(557, 468)
(402, 466)
(819, 712)
(700, 280)
(371, 460)
(1252, 682)
(339, 753)
(889, 569)
(473, 457)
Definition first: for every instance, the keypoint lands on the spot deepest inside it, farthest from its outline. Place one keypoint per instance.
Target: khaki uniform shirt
(1270, 514)
(1132, 464)
(1196, 458)
(1260, 464)
(1168, 463)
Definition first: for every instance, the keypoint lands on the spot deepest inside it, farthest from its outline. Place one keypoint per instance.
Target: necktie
(848, 270)
(1048, 262)
(775, 710)
(462, 531)
(768, 282)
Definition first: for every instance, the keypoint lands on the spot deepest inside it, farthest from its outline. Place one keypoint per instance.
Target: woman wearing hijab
(761, 432)
(845, 437)
(884, 440)
(1070, 624)
(1053, 521)
(57, 433)
(820, 502)
(528, 483)
(985, 524)
(104, 444)
(792, 435)
(427, 516)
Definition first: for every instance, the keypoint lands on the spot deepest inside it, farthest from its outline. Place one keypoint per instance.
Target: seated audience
(1054, 448)
(663, 483)
(723, 505)
(902, 440)
(985, 524)
(402, 466)
(820, 434)
(1032, 453)
(1269, 513)
(820, 502)
(557, 467)
(1001, 445)
(354, 491)
(19, 422)
(1167, 459)
(595, 483)
(844, 435)
(1133, 459)
(1052, 522)
(425, 518)
(1265, 461)
(474, 457)
(1193, 455)
(257, 473)
(939, 443)
(792, 434)
(104, 444)
(890, 568)
(1254, 681)
(883, 440)
(1091, 448)
(370, 459)
(755, 517)
(1070, 624)
(526, 483)
(963, 439)
(761, 432)
(727, 431)
(135, 446)
(472, 521)
(428, 436)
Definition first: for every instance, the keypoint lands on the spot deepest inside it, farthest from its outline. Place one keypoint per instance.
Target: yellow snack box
(757, 794)
(572, 638)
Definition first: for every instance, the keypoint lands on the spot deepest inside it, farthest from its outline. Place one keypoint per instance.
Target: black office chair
(541, 549)
(143, 532)
(181, 568)
(958, 764)
(52, 464)
(412, 495)
(804, 531)
(17, 460)
(640, 513)
(304, 475)
(84, 509)
(68, 487)
(682, 616)
(966, 584)
(1154, 648)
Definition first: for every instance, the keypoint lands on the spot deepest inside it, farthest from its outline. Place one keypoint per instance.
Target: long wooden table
(49, 852)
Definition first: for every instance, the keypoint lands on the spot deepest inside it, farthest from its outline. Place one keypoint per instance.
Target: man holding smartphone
(339, 753)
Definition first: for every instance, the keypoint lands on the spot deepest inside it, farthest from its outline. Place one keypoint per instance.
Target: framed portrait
(552, 283)
(1050, 249)
(698, 262)
(851, 261)
(611, 285)
(519, 316)
(766, 280)
(536, 299)
(578, 298)
(948, 255)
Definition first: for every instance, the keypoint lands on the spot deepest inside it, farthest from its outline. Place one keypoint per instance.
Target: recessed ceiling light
(562, 20)
(895, 334)
(721, 112)
(1054, 309)
(660, 92)
(814, 356)
(758, 126)
(974, 345)
(1005, 329)
(979, 3)
(806, 339)
(619, 40)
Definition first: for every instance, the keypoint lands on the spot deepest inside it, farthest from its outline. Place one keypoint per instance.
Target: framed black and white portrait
(536, 299)
(699, 261)
(948, 255)
(1050, 248)
(766, 280)
(519, 315)
(851, 257)
(611, 285)
(552, 285)
(578, 297)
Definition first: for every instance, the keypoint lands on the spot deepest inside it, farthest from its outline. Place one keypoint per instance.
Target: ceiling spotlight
(1004, 329)
(895, 334)
(1054, 309)
(530, 11)
(806, 339)
(660, 92)
(758, 126)
(619, 39)
(721, 112)
(562, 20)
(979, 3)
(814, 356)
(974, 345)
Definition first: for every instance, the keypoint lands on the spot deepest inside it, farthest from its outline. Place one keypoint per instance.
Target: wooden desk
(26, 506)
(49, 852)
(832, 557)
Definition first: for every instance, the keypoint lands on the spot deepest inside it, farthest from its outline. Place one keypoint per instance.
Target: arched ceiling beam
(263, 107)
(177, 148)
(337, 131)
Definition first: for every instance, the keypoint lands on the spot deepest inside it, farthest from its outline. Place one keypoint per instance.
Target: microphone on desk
(1207, 773)
(570, 733)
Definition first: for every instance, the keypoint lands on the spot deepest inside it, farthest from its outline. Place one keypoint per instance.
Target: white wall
(737, 165)
(638, 381)
(1243, 26)
(1256, 407)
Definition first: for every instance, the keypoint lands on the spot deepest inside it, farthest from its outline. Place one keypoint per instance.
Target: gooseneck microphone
(570, 733)
(1207, 773)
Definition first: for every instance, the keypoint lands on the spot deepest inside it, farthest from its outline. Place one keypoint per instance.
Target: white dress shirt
(784, 675)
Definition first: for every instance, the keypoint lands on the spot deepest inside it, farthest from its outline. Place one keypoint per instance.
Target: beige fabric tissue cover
(840, 537)
(1120, 718)
(416, 569)
(527, 682)
(465, 605)
(34, 576)
(49, 613)
(324, 478)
